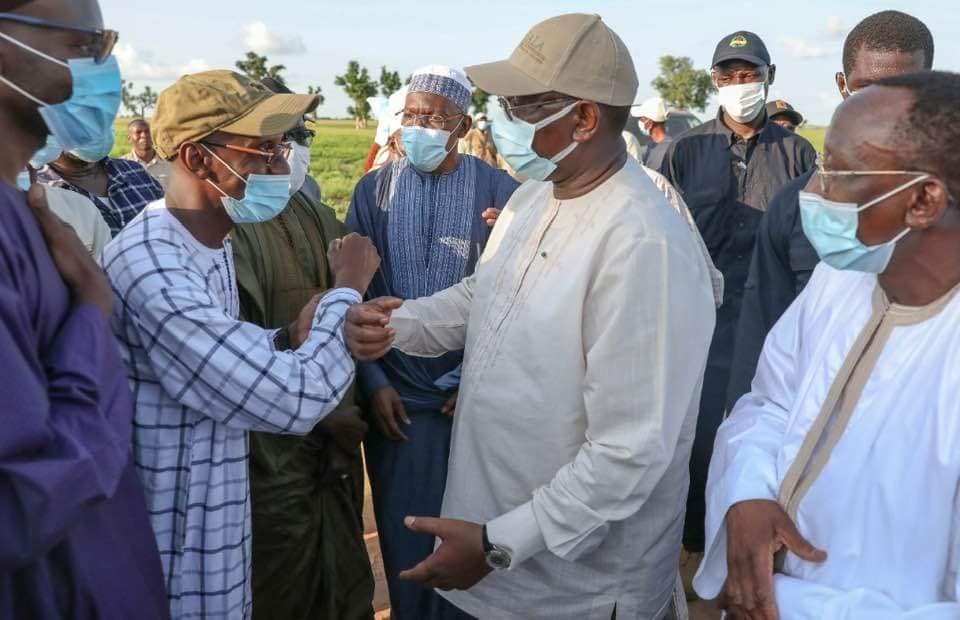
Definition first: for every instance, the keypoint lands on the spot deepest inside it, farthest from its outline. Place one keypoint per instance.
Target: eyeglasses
(824, 174)
(281, 150)
(511, 110)
(726, 78)
(99, 47)
(434, 121)
(301, 135)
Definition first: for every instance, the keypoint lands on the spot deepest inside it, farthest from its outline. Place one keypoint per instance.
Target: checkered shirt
(129, 187)
(202, 379)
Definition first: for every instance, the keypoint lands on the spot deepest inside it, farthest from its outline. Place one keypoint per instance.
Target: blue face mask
(426, 148)
(23, 180)
(514, 140)
(265, 197)
(832, 228)
(49, 152)
(83, 124)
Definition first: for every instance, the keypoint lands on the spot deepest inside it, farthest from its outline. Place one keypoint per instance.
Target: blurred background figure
(652, 118)
(479, 141)
(138, 133)
(783, 114)
(387, 145)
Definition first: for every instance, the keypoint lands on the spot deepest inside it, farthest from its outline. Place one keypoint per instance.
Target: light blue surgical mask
(426, 148)
(47, 153)
(831, 227)
(23, 180)
(514, 140)
(265, 197)
(83, 124)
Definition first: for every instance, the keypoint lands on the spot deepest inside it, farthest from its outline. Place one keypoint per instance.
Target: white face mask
(299, 160)
(482, 125)
(743, 102)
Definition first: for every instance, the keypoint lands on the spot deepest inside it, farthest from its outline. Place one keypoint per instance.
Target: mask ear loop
(892, 192)
(227, 166)
(37, 52)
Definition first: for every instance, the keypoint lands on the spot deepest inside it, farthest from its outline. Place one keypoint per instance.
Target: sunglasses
(99, 48)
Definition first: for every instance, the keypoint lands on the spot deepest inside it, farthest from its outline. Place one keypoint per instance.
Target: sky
(315, 39)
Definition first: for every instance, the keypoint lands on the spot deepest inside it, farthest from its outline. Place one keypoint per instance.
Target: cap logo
(533, 45)
(738, 41)
(782, 105)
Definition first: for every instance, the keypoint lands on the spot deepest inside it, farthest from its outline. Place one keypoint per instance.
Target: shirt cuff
(518, 532)
(342, 294)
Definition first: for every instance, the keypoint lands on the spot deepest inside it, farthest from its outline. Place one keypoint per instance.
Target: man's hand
(756, 530)
(450, 407)
(79, 271)
(299, 330)
(346, 427)
(366, 331)
(490, 216)
(458, 563)
(390, 413)
(354, 261)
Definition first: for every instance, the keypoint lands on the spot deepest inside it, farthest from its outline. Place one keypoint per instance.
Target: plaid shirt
(202, 379)
(129, 187)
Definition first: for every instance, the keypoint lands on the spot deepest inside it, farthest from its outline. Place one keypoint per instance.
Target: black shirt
(782, 263)
(728, 182)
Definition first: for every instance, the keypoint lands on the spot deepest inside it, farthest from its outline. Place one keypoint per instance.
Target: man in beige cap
(586, 328)
(202, 379)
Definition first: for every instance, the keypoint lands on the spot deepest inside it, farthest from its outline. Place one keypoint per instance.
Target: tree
(255, 67)
(479, 101)
(138, 104)
(681, 85)
(318, 91)
(128, 98)
(389, 82)
(357, 85)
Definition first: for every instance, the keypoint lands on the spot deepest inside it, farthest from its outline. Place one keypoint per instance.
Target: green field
(339, 152)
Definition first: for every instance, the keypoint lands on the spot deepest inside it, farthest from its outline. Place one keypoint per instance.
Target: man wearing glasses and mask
(203, 378)
(75, 537)
(727, 170)
(425, 214)
(586, 328)
(311, 485)
(884, 44)
(833, 487)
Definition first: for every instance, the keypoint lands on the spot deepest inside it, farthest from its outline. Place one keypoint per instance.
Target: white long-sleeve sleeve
(743, 466)
(432, 326)
(645, 346)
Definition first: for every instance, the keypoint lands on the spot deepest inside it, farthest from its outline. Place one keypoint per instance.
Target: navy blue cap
(742, 45)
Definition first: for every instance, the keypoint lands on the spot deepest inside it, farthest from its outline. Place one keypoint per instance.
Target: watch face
(498, 559)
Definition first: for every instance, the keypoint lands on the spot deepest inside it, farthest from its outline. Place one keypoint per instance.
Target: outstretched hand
(368, 335)
(756, 531)
(458, 563)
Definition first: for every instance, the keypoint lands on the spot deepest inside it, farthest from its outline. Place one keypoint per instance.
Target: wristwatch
(281, 341)
(498, 558)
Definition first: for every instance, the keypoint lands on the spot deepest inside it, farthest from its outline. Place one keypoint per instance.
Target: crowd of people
(587, 377)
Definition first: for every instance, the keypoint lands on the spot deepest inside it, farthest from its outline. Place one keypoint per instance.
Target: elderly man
(424, 213)
(727, 170)
(75, 538)
(138, 134)
(884, 44)
(833, 489)
(586, 327)
(202, 378)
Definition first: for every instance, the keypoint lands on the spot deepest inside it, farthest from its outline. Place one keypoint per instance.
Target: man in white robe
(833, 488)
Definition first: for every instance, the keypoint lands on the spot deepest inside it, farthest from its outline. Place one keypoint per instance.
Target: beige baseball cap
(200, 104)
(575, 54)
